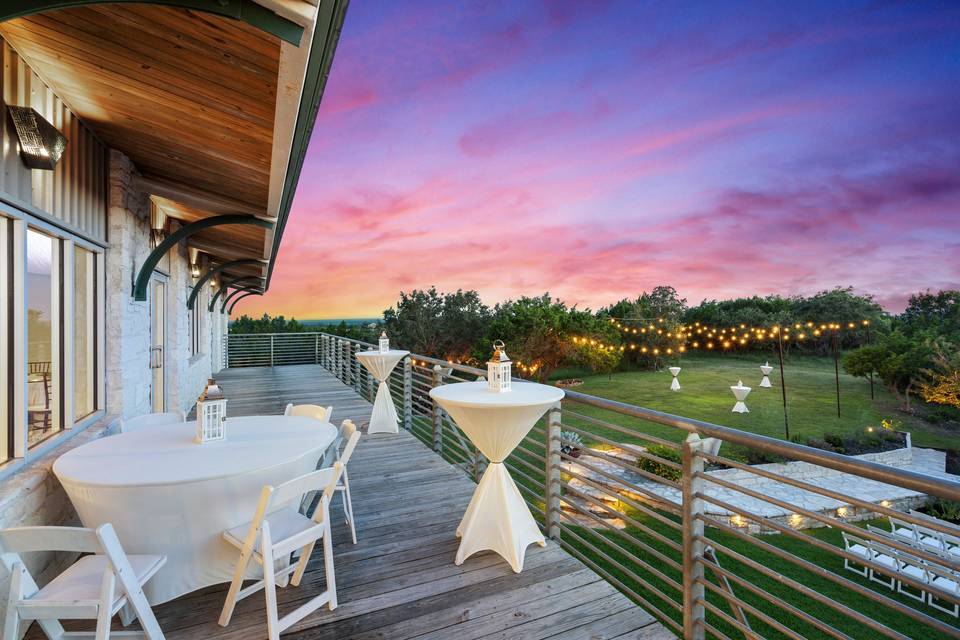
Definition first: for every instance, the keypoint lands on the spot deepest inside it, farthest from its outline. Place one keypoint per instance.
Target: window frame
(13, 353)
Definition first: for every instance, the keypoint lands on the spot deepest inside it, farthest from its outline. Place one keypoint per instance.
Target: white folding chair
(856, 546)
(945, 580)
(324, 414)
(151, 420)
(278, 529)
(905, 530)
(95, 587)
(350, 435)
(885, 557)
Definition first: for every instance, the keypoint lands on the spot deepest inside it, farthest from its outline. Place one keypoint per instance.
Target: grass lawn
(705, 395)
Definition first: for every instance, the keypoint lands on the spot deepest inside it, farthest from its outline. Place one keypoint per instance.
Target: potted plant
(572, 445)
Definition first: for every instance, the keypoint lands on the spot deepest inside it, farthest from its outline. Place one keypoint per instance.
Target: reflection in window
(41, 299)
(84, 332)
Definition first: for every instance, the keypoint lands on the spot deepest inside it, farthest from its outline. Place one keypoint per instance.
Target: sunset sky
(598, 149)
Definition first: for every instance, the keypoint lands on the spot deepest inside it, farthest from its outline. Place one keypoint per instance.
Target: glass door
(158, 323)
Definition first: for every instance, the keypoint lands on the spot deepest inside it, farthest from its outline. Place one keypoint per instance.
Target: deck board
(400, 581)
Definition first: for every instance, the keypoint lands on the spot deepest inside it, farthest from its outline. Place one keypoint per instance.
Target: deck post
(437, 412)
(407, 394)
(271, 349)
(692, 510)
(345, 362)
(552, 473)
(316, 348)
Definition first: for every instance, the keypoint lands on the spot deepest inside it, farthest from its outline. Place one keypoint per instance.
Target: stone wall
(33, 496)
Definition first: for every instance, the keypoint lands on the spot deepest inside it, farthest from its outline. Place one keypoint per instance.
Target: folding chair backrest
(70, 539)
(309, 411)
(849, 540)
(896, 523)
(293, 490)
(150, 420)
(349, 433)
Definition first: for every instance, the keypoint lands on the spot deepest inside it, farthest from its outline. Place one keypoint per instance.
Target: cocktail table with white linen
(380, 364)
(497, 518)
(167, 495)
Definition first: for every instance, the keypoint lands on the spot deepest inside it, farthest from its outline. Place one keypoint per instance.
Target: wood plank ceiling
(188, 96)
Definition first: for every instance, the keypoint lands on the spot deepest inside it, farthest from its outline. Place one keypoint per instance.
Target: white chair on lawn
(948, 581)
(95, 587)
(278, 529)
(151, 420)
(323, 414)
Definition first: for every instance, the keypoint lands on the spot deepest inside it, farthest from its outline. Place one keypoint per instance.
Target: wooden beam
(193, 196)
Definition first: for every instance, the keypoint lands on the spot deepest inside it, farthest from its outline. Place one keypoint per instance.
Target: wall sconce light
(194, 263)
(158, 225)
(41, 145)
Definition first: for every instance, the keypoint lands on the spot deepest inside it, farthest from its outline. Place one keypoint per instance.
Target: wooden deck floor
(400, 581)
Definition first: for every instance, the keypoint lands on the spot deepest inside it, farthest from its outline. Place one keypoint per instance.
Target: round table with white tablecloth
(166, 494)
(497, 518)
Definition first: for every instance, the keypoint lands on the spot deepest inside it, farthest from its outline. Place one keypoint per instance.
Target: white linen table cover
(166, 494)
(740, 392)
(380, 364)
(497, 518)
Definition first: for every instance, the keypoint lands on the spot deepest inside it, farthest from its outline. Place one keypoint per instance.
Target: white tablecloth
(380, 364)
(497, 518)
(166, 494)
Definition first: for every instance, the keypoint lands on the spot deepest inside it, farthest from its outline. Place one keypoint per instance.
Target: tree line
(913, 353)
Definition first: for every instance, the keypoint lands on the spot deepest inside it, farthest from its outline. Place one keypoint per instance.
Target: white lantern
(384, 342)
(498, 369)
(211, 413)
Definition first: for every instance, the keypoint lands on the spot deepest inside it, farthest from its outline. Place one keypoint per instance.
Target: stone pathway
(927, 461)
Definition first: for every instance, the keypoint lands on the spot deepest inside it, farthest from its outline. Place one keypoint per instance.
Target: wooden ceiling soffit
(193, 196)
(256, 14)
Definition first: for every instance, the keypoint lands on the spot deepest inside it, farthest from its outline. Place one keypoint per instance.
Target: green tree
(933, 312)
(898, 360)
(266, 324)
(941, 384)
(440, 325)
(538, 333)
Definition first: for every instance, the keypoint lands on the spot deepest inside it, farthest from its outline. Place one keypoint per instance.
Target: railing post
(692, 510)
(407, 394)
(271, 349)
(437, 412)
(344, 362)
(552, 473)
(355, 369)
(316, 348)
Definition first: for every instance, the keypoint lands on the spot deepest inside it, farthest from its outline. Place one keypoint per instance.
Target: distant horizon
(587, 149)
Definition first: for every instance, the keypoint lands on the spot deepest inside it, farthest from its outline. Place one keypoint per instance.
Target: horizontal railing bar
(622, 429)
(626, 483)
(819, 517)
(642, 508)
(828, 575)
(712, 629)
(633, 576)
(870, 470)
(836, 495)
(770, 598)
(742, 628)
(657, 554)
(824, 546)
(641, 454)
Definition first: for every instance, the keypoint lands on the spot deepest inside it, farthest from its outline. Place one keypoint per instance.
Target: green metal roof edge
(326, 34)
(244, 10)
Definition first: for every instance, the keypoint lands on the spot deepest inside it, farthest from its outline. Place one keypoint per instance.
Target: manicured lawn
(705, 395)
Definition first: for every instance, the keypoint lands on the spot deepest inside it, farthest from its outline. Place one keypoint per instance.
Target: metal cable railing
(710, 545)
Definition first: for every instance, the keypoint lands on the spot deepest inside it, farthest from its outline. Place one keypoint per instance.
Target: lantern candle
(211, 413)
(498, 369)
(384, 342)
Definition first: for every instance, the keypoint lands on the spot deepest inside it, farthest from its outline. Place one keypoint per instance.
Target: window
(6, 340)
(195, 318)
(84, 332)
(43, 343)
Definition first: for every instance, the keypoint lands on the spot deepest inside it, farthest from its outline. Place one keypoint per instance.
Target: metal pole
(552, 484)
(836, 366)
(271, 349)
(437, 413)
(870, 342)
(692, 508)
(407, 394)
(783, 386)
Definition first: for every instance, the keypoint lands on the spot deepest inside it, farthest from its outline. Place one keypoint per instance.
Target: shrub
(945, 510)
(760, 457)
(658, 468)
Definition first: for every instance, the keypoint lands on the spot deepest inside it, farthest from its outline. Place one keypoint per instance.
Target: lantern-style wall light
(41, 145)
(211, 413)
(499, 369)
(194, 263)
